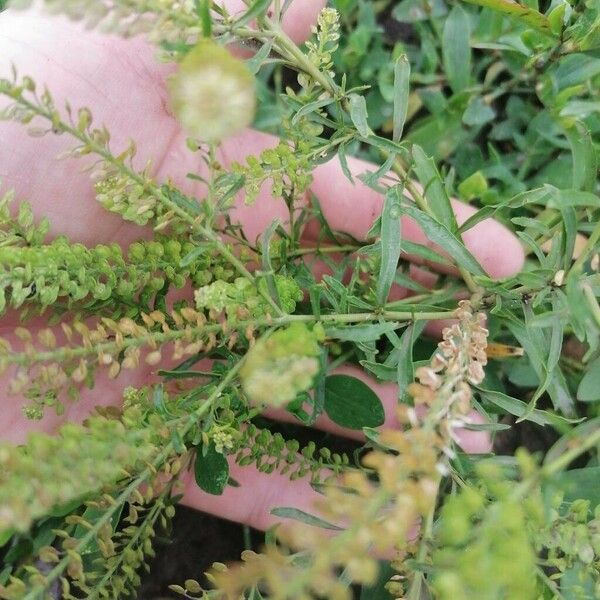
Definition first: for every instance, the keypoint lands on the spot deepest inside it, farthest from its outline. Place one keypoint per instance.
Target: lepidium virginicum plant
(79, 510)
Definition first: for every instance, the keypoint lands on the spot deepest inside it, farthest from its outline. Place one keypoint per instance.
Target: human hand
(123, 85)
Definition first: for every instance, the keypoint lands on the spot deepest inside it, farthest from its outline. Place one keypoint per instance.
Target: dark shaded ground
(198, 540)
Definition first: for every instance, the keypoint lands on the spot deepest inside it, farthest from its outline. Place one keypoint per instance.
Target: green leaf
(579, 484)
(589, 387)
(256, 9)
(310, 108)
(456, 49)
(478, 113)
(413, 11)
(211, 470)
(585, 164)
(351, 403)
(358, 114)
(473, 187)
(191, 256)
(288, 512)
(401, 93)
(434, 189)
(518, 408)
(534, 342)
(391, 242)
(255, 62)
(512, 9)
(445, 239)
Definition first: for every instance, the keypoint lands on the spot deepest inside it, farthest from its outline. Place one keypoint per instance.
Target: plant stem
(162, 337)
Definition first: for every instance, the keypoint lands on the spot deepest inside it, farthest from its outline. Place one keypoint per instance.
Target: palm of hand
(123, 85)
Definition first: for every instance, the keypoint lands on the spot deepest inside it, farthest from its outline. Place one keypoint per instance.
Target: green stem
(161, 337)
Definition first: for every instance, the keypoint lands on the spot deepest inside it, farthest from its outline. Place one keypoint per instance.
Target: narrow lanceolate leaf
(456, 49)
(532, 17)
(585, 162)
(444, 238)
(434, 189)
(288, 512)
(401, 93)
(518, 408)
(391, 241)
(358, 114)
(589, 387)
(255, 9)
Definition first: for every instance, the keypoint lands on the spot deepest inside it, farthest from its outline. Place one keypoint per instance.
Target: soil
(197, 541)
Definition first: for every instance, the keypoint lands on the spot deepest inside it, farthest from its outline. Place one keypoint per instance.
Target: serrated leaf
(361, 333)
(211, 470)
(518, 408)
(413, 11)
(351, 403)
(578, 484)
(256, 9)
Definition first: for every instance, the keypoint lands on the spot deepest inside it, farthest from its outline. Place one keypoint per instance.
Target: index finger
(351, 207)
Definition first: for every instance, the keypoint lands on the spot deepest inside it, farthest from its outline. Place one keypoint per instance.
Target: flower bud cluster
(78, 461)
(277, 368)
(325, 43)
(288, 169)
(444, 386)
(72, 274)
(241, 299)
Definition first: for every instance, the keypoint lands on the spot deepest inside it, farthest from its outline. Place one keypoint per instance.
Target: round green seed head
(212, 93)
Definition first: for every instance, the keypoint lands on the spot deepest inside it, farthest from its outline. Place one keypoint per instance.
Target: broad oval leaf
(351, 403)
(211, 470)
